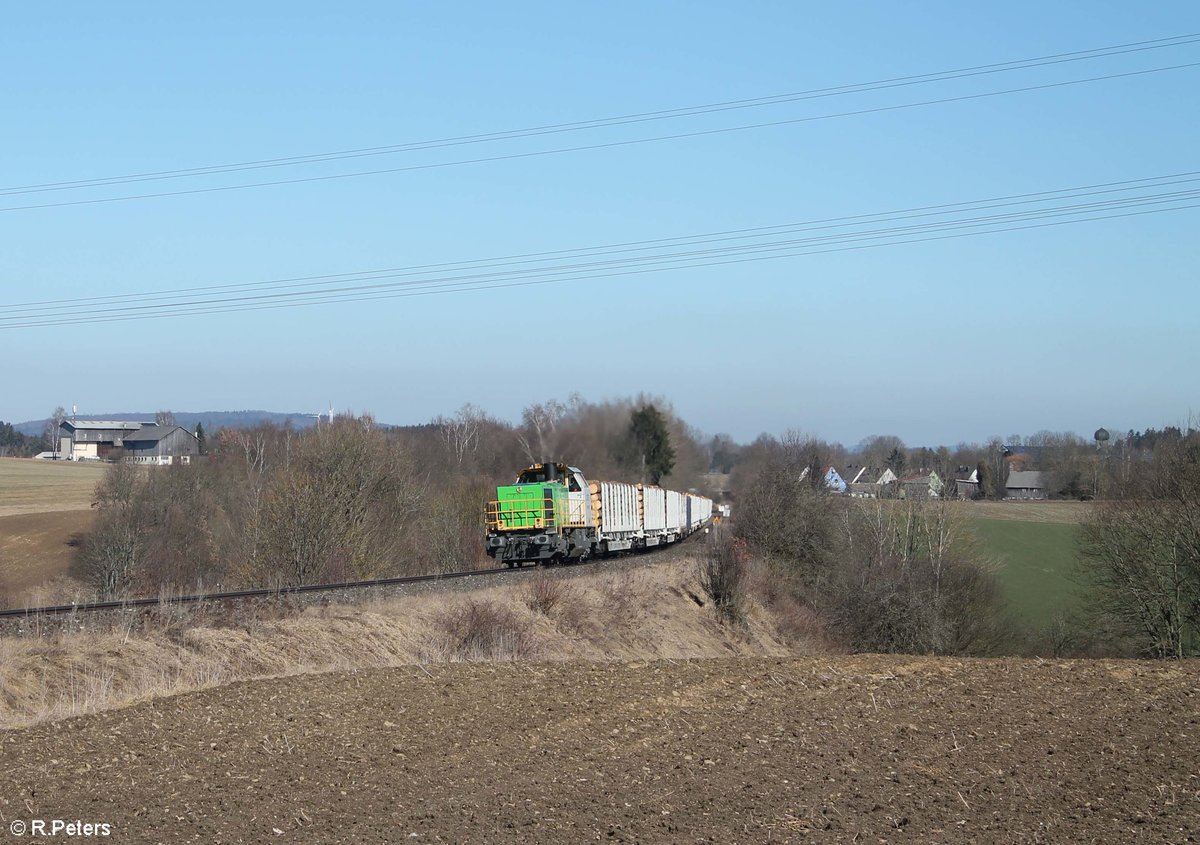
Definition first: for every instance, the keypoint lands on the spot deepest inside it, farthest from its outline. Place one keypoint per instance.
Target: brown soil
(854, 749)
(35, 552)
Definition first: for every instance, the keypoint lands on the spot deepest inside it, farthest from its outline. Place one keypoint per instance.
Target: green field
(1036, 565)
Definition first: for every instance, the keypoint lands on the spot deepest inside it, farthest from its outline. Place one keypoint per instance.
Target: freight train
(553, 514)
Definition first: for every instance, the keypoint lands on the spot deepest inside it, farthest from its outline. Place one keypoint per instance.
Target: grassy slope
(1036, 564)
(623, 614)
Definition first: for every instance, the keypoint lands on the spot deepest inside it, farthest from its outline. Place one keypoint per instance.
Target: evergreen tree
(200, 437)
(896, 461)
(651, 443)
(987, 483)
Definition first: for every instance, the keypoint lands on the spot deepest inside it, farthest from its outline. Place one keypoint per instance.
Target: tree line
(1072, 466)
(14, 444)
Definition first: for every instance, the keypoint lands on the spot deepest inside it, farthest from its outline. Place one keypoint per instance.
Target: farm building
(140, 442)
(1028, 484)
(93, 440)
(921, 485)
(968, 485)
(161, 444)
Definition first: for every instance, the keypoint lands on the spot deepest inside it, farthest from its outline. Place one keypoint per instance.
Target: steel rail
(266, 592)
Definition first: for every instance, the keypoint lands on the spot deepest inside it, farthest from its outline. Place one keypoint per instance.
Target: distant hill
(212, 420)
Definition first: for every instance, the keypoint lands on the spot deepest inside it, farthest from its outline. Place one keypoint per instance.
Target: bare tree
(252, 446)
(114, 554)
(460, 433)
(51, 431)
(875, 450)
(164, 418)
(1142, 552)
(538, 434)
(723, 572)
(342, 506)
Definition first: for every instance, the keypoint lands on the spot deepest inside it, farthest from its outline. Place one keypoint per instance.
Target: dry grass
(481, 629)
(628, 615)
(29, 486)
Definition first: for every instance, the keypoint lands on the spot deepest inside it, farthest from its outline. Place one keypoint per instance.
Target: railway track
(281, 592)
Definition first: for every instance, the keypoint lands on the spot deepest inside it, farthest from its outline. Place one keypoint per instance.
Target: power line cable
(603, 145)
(1171, 197)
(620, 120)
(1055, 195)
(644, 264)
(527, 283)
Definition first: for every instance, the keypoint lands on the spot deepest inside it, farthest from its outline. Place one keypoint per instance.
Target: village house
(869, 482)
(834, 481)
(830, 479)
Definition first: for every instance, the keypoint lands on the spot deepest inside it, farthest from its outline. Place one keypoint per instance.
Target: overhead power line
(1058, 194)
(619, 120)
(536, 131)
(1028, 211)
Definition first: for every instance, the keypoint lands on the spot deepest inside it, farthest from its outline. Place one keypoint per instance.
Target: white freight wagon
(676, 513)
(699, 511)
(615, 510)
(653, 502)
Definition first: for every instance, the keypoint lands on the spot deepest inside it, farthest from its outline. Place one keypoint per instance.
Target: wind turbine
(317, 416)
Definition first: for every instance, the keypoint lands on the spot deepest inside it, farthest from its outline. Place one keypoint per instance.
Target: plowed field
(865, 749)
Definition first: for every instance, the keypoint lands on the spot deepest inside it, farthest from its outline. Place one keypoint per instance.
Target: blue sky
(1068, 327)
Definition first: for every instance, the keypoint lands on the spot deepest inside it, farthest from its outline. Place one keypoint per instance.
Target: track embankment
(614, 610)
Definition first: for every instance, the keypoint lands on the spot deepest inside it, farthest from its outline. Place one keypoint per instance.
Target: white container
(699, 510)
(618, 508)
(654, 508)
(676, 512)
